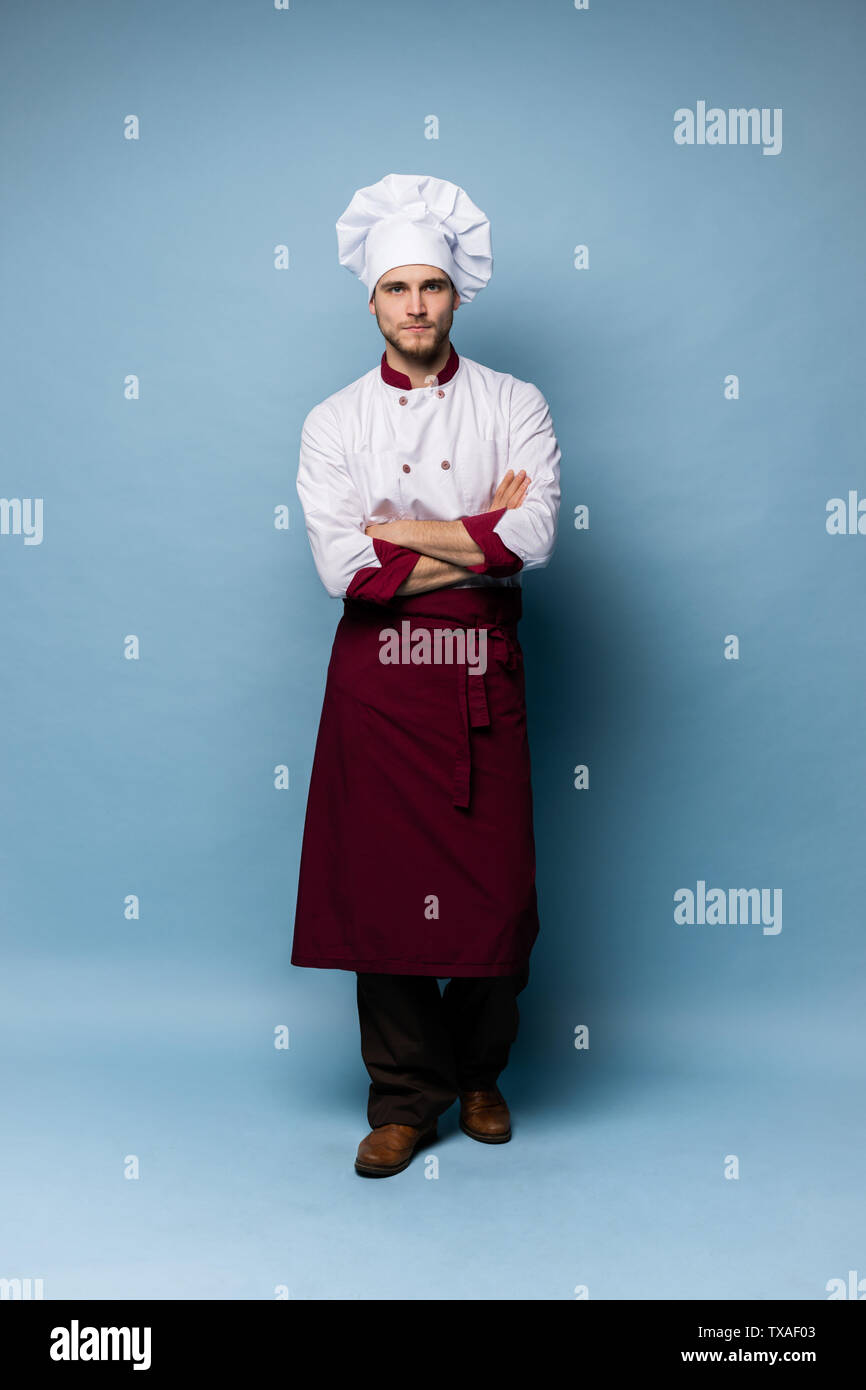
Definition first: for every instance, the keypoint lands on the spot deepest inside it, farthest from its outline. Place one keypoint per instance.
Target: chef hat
(414, 219)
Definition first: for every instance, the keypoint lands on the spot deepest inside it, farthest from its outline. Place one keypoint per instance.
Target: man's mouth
(418, 327)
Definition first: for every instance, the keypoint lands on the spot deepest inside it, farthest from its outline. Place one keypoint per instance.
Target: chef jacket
(379, 449)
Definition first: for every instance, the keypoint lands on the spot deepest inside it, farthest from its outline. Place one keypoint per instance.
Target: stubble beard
(425, 349)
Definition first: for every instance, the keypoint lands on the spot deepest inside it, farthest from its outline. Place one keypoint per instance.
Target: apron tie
(473, 707)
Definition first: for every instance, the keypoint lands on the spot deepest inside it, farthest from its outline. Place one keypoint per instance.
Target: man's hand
(511, 490)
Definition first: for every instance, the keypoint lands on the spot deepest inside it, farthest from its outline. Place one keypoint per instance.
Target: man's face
(414, 307)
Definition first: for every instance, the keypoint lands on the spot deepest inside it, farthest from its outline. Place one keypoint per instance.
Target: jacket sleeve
(498, 559)
(349, 563)
(527, 532)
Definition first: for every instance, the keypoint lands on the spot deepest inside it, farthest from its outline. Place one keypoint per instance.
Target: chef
(429, 486)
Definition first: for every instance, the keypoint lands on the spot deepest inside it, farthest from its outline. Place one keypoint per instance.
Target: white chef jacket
(379, 449)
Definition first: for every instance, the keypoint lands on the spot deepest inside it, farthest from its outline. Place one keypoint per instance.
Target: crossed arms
(447, 550)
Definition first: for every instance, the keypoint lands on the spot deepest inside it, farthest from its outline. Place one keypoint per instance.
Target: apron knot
(512, 646)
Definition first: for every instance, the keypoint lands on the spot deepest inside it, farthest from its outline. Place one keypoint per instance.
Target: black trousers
(421, 1048)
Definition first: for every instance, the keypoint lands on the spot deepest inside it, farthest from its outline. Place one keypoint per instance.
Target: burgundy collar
(395, 378)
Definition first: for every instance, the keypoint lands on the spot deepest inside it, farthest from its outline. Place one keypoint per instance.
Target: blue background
(154, 1037)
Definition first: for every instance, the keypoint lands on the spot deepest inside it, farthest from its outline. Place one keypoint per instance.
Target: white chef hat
(414, 219)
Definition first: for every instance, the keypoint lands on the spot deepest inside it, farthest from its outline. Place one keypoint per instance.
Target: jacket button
(406, 468)
(402, 400)
(445, 463)
(440, 393)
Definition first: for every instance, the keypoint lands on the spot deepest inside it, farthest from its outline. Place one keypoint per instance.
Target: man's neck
(417, 372)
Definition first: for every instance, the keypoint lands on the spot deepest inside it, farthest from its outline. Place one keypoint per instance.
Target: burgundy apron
(418, 855)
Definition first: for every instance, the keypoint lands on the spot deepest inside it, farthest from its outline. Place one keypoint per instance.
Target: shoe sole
(486, 1138)
(378, 1171)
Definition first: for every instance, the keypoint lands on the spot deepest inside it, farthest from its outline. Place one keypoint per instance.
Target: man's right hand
(511, 490)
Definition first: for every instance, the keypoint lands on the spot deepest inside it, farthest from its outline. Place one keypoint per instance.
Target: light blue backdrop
(155, 777)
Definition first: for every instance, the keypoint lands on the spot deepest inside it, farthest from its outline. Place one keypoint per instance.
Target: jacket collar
(394, 378)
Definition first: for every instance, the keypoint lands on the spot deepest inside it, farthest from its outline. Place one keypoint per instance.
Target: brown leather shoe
(484, 1116)
(389, 1148)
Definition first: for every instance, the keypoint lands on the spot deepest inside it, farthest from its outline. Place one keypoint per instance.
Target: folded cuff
(378, 584)
(498, 560)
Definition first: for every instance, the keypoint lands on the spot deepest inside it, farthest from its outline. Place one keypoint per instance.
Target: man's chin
(421, 344)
